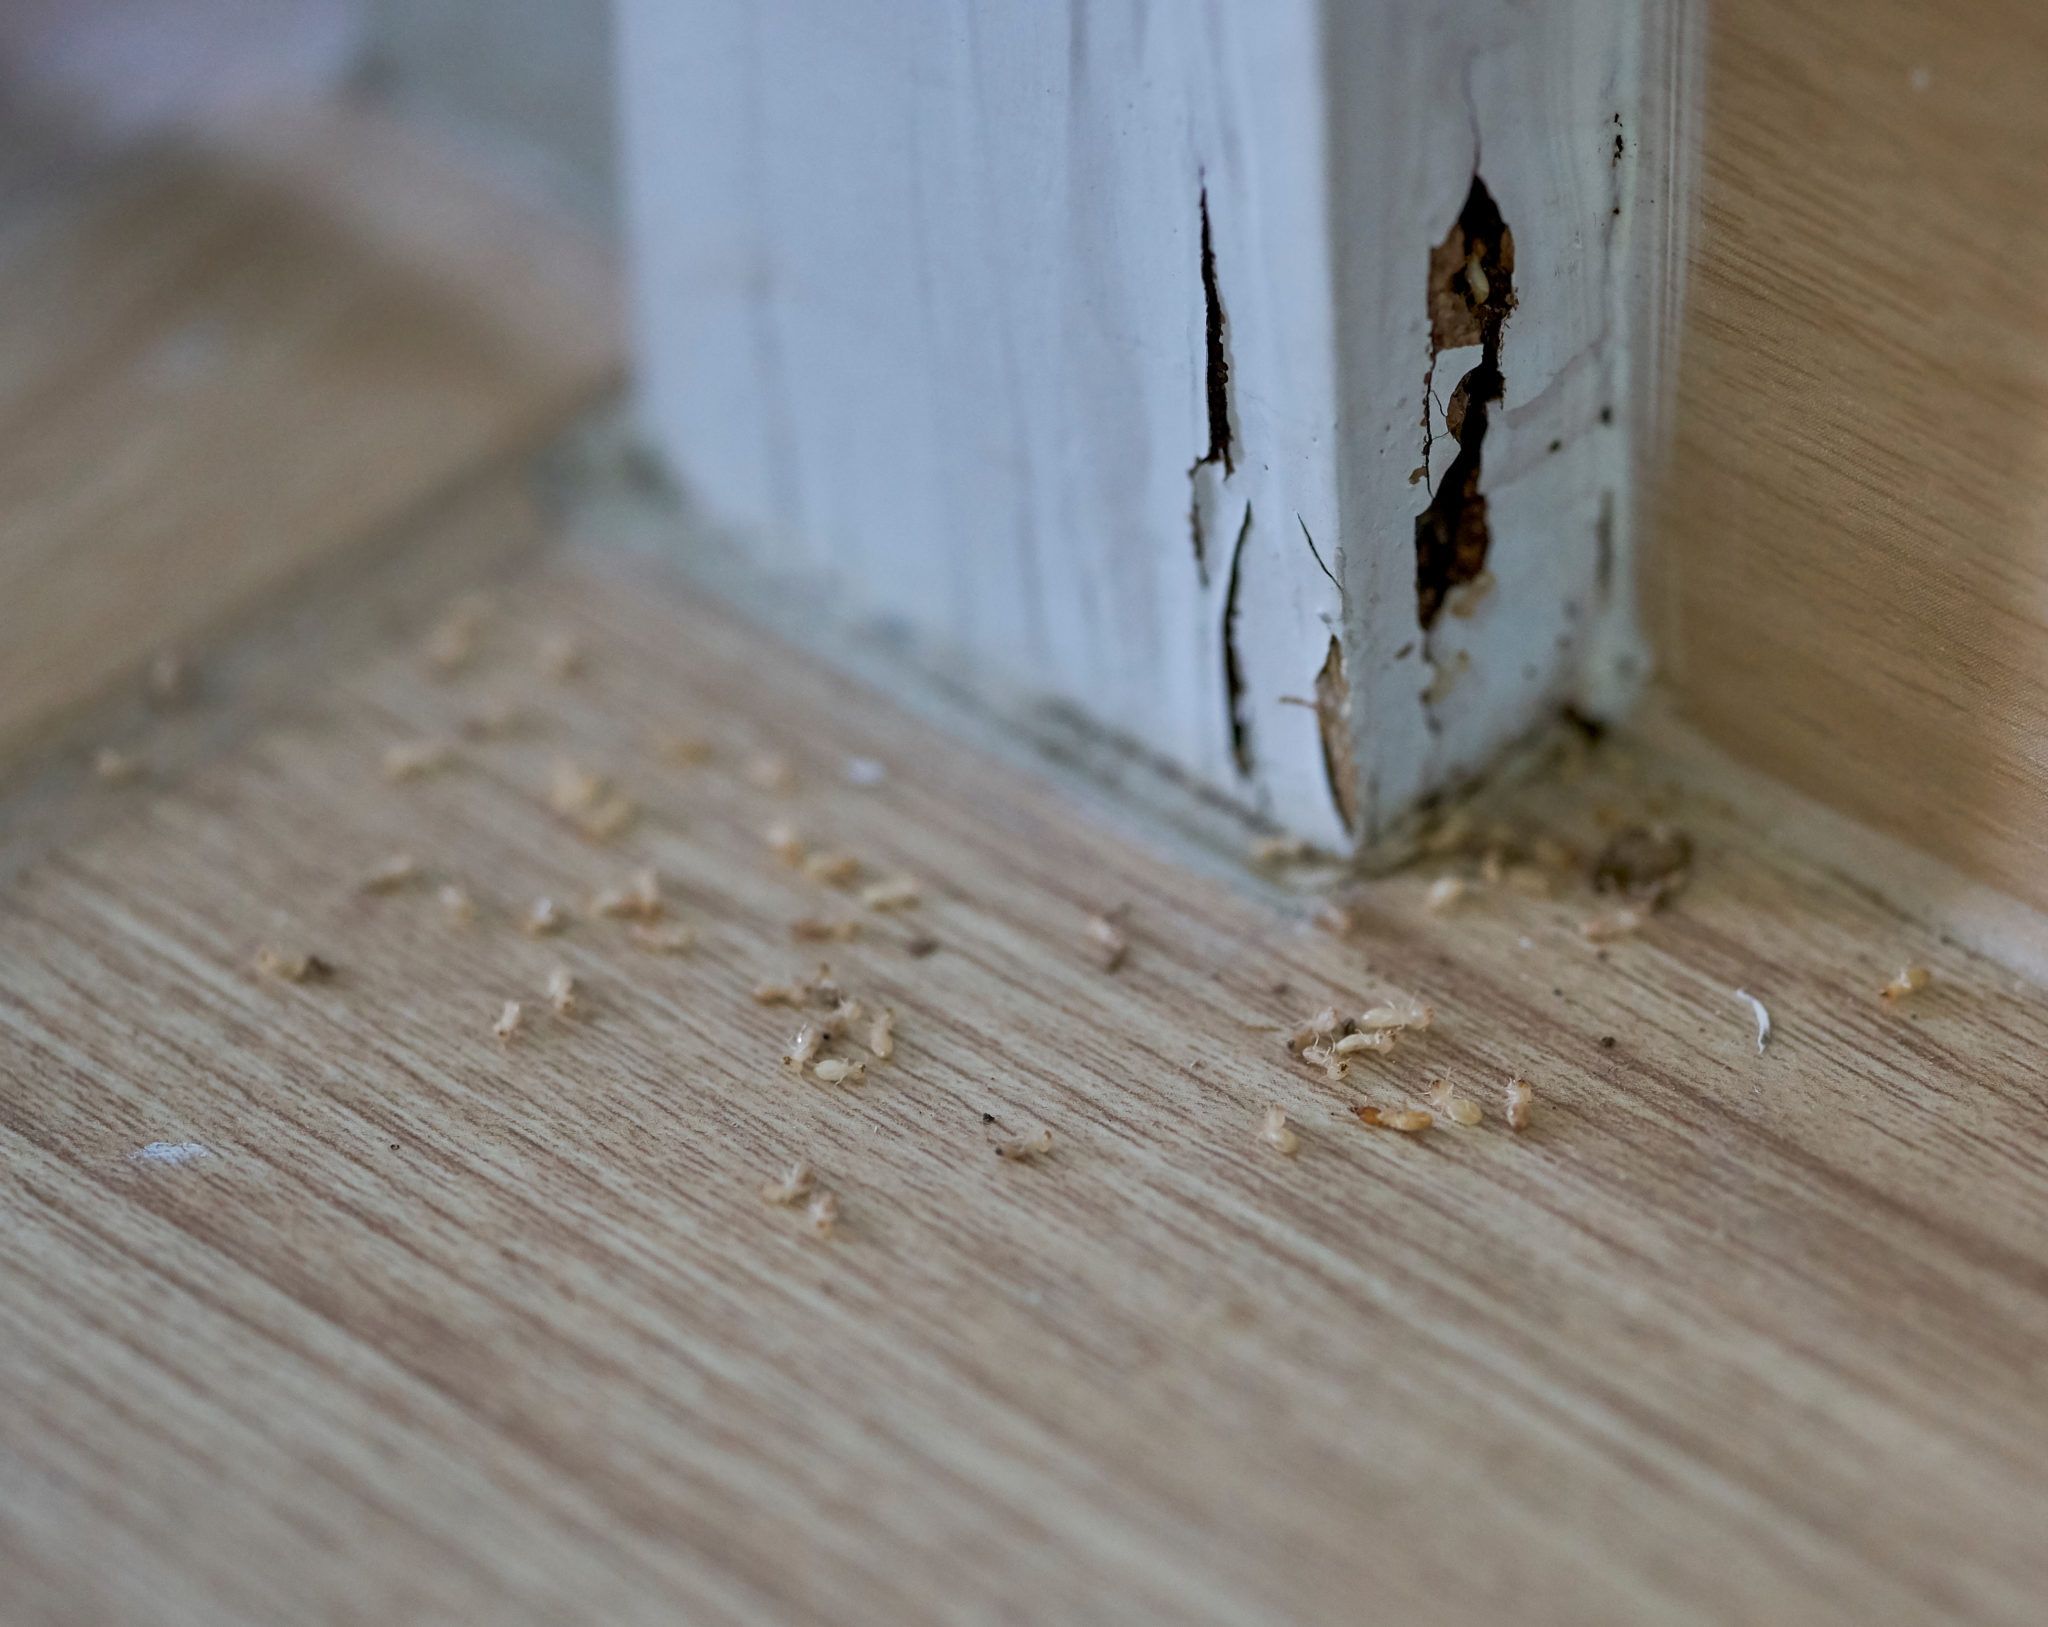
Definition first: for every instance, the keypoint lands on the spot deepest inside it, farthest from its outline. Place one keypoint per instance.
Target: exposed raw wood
(439, 1328)
(220, 368)
(1854, 588)
(1099, 347)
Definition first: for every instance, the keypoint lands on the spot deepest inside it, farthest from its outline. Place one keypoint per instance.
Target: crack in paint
(1233, 668)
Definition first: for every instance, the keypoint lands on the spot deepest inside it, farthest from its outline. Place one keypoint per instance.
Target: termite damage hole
(1471, 291)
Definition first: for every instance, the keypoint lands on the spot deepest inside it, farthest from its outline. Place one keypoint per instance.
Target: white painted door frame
(1265, 377)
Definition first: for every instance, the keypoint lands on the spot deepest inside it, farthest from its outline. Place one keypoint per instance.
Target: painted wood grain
(441, 1330)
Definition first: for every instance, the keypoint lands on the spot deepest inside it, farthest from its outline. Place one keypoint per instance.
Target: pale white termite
(1276, 1133)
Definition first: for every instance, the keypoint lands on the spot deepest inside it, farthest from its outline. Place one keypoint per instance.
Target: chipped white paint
(923, 317)
(170, 1152)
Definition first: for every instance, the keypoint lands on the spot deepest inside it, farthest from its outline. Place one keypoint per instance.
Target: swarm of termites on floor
(804, 1047)
(809, 929)
(897, 893)
(561, 656)
(1368, 1114)
(1519, 1096)
(414, 759)
(837, 1070)
(1380, 1039)
(395, 872)
(456, 905)
(290, 967)
(1910, 980)
(1392, 1015)
(1614, 924)
(509, 1022)
(882, 1035)
(562, 991)
(1458, 1109)
(1026, 1147)
(824, 988)
(785, 841)
(765, 771)
(111, 767)
(822, 1213)
(546, 917)
(794, 1187)
(833, 868)
(1107, 938)
(1276, 1133)
(639, 901)
(573, 789)
(1408, 1120)
(672, 939)
(1443, 893)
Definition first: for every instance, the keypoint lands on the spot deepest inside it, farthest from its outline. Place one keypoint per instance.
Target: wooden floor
(441, 1330)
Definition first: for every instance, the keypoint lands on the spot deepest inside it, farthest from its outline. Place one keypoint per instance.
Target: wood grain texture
(1855, 567)
(221, 367)
(441, 1331)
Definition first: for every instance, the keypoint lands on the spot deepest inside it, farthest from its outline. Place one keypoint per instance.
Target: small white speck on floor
(169, 1152)
(864, 772)
(1763, 1018)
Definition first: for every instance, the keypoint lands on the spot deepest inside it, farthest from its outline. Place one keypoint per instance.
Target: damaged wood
(1471, 292)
